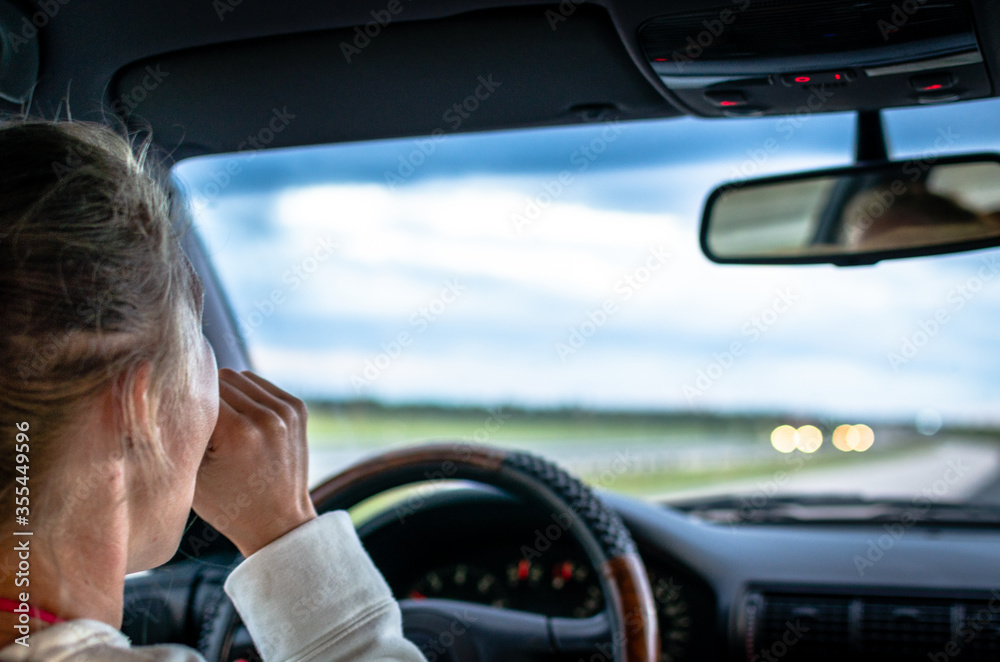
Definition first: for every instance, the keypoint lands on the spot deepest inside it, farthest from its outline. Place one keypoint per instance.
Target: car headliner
(227, 65)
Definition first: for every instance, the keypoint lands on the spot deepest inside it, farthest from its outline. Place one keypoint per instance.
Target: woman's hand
(252, 484)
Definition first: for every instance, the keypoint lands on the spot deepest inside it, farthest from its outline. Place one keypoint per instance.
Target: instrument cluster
(560, 583)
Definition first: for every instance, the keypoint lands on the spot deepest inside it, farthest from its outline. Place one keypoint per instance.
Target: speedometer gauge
(674, 612)
(460, 582)
(562, 587)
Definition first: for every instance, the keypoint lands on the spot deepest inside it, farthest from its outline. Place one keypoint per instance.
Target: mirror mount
(870, 144)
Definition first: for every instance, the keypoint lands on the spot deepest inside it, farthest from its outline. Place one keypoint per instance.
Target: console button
(827, 77)
(726, 98)
(933, 82)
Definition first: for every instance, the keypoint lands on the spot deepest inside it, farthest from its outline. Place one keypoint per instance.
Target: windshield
(543, 289)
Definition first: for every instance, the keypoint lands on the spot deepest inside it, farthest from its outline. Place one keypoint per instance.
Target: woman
(116, 422)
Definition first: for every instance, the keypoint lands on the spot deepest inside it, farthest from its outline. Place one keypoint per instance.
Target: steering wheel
(626, 631)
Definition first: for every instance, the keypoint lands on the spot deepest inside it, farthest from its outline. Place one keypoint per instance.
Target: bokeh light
(809, 438)
(786, 439)
(853, 438)
(865, 438)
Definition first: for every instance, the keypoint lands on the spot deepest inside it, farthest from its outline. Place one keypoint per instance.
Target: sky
(560, 267)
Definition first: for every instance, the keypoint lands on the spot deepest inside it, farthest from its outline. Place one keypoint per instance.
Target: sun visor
(478, 71)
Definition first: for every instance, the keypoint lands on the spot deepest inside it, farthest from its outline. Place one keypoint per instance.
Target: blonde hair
(93, 284)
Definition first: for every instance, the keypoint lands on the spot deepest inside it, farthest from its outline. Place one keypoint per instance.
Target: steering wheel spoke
(451, 630)
(447, 630)
(582, 637)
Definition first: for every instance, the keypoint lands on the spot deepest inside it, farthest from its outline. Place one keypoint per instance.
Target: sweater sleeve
(314, 594)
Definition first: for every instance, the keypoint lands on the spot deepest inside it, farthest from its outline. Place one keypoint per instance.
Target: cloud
(525, 289)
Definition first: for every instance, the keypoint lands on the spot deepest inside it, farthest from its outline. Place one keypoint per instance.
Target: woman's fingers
(267, 395)
(237, 398)
(247, 387)
(298, 405)
(255, 403)
(267, 386)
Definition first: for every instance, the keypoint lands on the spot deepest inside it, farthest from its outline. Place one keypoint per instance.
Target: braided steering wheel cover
(605, 524)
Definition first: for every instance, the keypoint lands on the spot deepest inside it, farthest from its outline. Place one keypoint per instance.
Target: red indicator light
(728, 103)
(522, 569)
(567, 571)
(802, 79)
(836, 76)
(417, 595)
(661, 59)
(933, 87)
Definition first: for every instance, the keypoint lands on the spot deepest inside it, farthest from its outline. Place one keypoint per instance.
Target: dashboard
(750, 592)
(723, 592)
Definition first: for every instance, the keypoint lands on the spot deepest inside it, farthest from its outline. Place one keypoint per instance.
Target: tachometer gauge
(674, 613)
(460, 582)
(562, 587)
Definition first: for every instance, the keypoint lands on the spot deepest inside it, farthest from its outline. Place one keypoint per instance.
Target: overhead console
(778, 57)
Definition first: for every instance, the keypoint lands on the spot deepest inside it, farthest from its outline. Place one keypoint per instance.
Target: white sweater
(313, 594)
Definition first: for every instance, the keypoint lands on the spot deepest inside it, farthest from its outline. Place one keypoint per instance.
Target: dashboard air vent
(810, 628)
(799, 624)
(904, 628)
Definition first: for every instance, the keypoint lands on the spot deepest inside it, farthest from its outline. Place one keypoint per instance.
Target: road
(952, 471)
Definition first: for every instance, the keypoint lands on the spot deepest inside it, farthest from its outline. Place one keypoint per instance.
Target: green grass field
(565, 433)
(367, 426)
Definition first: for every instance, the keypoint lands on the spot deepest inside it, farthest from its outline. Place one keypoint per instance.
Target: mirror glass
(890, 210)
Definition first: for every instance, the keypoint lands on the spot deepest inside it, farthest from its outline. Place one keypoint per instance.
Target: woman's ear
(134, 401)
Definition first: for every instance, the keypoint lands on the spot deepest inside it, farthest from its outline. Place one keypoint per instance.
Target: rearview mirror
(857, 214)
